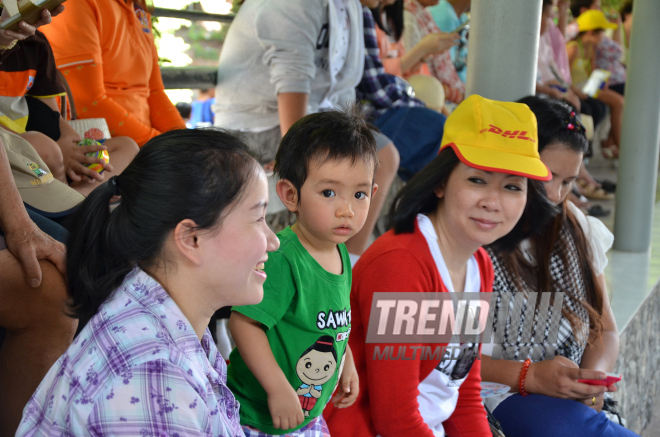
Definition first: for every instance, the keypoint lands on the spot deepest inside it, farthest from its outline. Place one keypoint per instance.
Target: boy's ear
(373, 191)
(288, 194)
(186, 240)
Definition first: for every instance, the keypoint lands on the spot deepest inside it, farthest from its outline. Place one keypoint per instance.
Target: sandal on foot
(598, 211)
(594, 193)
(608, 186)
(610, 152)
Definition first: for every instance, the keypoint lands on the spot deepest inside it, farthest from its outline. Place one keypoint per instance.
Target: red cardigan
(387, 404)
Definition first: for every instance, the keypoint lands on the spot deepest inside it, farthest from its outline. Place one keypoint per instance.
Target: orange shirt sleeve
(92, 102)
(79, 57)
(75, 38)
(469, 418)
(164, 115)
(393, 384)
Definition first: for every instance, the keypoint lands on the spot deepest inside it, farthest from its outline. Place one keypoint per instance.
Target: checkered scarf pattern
(315, 428)
(378, 90)
(566, 278)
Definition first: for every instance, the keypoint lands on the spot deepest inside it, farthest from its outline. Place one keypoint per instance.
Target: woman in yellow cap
(583, 59)
(472, 194)
(543, 355)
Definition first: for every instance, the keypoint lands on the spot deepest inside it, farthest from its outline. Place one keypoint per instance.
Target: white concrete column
(640, 138)
(503, 48)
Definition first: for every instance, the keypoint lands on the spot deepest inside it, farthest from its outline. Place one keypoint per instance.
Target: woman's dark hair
(626, 9)
(195, 174)
(394, 14)
(553, 117)
(576, 5)
(418, 197)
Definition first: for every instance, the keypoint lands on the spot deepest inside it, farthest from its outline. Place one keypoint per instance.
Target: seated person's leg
(615, 102)
(38, 333)
(49, 151)
(49, 226)
(388, 165)
(545, 416)
(416, 133)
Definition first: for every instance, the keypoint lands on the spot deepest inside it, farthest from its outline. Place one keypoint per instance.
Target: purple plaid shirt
(378, 90)
(136, 369)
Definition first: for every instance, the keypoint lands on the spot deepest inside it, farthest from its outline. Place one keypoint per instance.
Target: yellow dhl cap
(495, 136)
(593, 19)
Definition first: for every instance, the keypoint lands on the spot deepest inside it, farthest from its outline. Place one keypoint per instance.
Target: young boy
(292, 348)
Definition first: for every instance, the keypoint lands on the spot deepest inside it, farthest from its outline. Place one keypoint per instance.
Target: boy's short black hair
(325, 136)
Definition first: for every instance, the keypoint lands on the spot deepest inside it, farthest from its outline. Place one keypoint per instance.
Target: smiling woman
(567, 256)
(188, 237)
(484, 179)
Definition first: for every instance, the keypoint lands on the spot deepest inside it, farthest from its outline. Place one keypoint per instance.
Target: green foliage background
(614, 4)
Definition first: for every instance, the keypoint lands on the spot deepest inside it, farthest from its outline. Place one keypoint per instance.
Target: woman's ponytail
(94, 270)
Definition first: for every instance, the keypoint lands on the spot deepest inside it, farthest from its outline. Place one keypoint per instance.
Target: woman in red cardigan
(472, 194)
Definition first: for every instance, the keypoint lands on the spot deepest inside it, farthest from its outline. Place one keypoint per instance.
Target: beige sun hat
(429, 90)
(34, 180)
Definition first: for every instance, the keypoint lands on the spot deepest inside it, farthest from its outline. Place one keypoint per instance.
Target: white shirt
(438, 393)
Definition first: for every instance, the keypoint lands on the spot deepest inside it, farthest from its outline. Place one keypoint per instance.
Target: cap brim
(51, 200)
(502, 162)
(599, 26)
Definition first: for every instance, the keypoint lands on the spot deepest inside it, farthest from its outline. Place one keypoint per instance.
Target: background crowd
(403, 63)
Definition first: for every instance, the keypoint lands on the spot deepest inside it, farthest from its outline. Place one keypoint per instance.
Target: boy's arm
(349, 383)
(254, 348)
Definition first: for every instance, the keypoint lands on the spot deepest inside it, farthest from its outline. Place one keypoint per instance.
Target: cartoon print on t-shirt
(315, 367)
(457, 368)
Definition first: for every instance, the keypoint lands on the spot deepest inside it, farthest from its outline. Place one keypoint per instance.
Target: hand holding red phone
(612, 378)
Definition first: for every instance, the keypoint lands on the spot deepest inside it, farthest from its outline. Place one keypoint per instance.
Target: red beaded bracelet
(523, 375)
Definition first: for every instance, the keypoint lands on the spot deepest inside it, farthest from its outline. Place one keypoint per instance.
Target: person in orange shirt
(106, 51)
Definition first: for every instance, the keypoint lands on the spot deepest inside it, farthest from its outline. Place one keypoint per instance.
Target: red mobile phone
(609, 380)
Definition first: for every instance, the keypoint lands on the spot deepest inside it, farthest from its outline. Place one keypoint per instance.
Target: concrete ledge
(638, 361)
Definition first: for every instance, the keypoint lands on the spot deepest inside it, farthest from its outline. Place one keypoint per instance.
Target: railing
(190, 77)
(192, 15)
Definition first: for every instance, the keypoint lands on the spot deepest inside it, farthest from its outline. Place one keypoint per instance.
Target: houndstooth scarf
(517, 343)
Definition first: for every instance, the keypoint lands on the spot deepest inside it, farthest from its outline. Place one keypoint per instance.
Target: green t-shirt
(306, 313)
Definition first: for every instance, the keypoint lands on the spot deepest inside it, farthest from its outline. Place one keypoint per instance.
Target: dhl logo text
(521, 135)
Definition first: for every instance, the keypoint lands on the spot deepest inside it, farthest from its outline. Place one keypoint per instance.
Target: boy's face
(334, 200)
